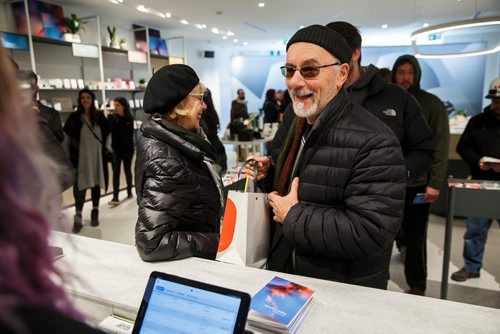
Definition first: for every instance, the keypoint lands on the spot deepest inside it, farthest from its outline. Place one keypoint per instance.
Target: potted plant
(142, 83)
(123, 44)
(112, 37)
(72, 27)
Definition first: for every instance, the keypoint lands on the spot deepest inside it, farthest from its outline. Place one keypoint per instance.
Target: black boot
(94, 217)
(77, 223)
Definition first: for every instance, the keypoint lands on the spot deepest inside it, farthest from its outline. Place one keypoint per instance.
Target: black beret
(325, 37)
(169, 86)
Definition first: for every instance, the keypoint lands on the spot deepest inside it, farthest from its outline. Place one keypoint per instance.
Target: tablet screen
(174, 307)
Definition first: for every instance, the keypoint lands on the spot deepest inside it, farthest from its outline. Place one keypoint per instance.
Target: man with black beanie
(340, 177)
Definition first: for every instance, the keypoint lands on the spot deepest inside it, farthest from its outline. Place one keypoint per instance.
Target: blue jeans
(475, 240)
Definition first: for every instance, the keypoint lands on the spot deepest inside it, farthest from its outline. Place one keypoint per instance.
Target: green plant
(142, 81)
(122, 40)
(112, 33)
(73, 24)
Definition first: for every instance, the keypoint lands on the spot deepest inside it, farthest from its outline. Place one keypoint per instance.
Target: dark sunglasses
(307, 72)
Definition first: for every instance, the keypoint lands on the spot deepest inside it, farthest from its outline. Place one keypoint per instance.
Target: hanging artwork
(44, 18)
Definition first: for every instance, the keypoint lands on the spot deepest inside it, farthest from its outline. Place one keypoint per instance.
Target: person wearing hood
(406, 73)
(178, 184)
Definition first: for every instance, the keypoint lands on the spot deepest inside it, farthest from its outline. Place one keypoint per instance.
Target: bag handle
(255, 171)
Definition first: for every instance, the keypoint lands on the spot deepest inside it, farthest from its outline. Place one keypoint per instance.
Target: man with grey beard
(339, 180)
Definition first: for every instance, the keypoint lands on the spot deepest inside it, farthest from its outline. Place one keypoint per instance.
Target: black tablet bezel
(245, 298)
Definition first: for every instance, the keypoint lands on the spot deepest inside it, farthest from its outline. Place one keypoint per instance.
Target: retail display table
(466, 199)
(110, 278)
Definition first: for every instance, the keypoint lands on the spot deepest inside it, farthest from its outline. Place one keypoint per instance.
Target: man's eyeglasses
(307, 72)
(199, 95)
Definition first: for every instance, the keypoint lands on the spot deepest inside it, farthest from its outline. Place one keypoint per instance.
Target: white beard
(298, 107)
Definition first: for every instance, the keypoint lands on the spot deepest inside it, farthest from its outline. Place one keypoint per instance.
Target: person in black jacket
(121, 125)
(32, 298)
(481, 139)
(179, 190)
(271, 108)
(87, 130)
(340, 177)
(211, 125)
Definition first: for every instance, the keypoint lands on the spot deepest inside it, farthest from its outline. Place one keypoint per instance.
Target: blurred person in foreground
(211, 124)
(481, 139)
(179, 189)
(340, 176)
(31, 297)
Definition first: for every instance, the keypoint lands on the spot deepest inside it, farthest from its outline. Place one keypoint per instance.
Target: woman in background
(30, 299)
(121, 124)
(87, 130)
(271, 108)
(179, 190)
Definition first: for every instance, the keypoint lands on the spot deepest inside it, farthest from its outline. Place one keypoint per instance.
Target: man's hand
(281, 205)
(263, 167)
(482, 165)
(431, 194)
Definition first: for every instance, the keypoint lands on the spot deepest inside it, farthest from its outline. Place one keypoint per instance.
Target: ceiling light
(116, 2)
(245, 43)
(215, 30)
(261, 4)
(235, 40)
(224, 37)
(167, 14)
(425, 25)
(450, 27)
(301, 27)
(141, 8)
(184, 21)
(200, 26)
(230, 33)
(384, 26)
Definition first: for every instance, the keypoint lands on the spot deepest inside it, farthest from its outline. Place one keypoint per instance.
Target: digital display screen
(178, 308)
(14, 41)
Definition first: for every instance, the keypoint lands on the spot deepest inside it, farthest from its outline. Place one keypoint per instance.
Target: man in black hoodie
(406, 72)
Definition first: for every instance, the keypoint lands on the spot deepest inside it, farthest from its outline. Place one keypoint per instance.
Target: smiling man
(340, 177)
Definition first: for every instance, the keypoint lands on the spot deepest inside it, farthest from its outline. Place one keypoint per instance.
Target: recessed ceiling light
(224, 37)
(261, 4)
(384, 26)
(245, 43)
(215, 30)
(141, 8)
(184, 21)
(230, 33)
(167, 14)
(235, 40)
(301, 27)
(425, 25)
(116, 2)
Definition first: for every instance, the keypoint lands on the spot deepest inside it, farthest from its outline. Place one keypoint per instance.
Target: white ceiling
(279, 19)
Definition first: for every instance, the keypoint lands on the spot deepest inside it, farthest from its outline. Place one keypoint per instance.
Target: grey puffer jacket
(351, 197)
(179, 203)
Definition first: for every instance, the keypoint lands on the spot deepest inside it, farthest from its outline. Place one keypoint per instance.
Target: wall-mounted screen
(14, 41)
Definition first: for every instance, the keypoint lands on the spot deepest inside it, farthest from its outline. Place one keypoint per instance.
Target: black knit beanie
(168, 87)
(325, 37)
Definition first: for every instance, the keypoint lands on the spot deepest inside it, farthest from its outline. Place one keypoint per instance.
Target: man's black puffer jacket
(351, 197)
(179, 204)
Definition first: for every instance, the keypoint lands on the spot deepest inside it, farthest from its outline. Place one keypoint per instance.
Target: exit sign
(434, 37)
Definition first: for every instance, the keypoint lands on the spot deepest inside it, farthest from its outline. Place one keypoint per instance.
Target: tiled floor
(118, 223)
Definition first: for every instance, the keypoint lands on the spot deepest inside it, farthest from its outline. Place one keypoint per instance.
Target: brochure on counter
(280, 306)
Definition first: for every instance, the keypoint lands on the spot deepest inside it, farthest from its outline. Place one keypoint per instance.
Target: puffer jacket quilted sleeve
(351, 191)
(179, 206)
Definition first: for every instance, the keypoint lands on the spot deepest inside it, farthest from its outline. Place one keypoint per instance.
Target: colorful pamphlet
(280, 306)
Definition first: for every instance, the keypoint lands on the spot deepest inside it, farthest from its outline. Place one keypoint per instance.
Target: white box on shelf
(74, 84)
(66, 84)
(81, 84)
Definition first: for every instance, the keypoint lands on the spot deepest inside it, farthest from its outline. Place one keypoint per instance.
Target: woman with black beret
(179, 190)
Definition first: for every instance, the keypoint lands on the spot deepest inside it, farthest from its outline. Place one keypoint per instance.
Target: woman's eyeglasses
(199, 95)
(307, 72)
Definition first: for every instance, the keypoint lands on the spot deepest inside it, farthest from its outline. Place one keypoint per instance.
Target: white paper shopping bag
(245, 234)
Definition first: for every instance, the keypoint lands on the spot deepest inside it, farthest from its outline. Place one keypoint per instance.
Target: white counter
(110, 277)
